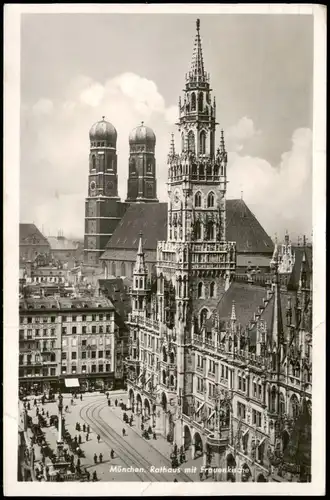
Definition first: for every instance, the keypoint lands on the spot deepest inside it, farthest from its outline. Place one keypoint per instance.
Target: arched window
(210, 200)
(132, 165)
(201, 171)
(212, 290)
(294, 406)
(198, 199)
(200, 102)
(198, 230)
(113, 269)
(297, 370)
(193, 101)
(164, 377)
(172, 357)
(164, 355)
(93, 162)
(203, 316)
(191, 141)
(122, 269)
(182, 141)
(210, 231)
(202, 142)
(282, 404)
(200, 290)
(273, 400)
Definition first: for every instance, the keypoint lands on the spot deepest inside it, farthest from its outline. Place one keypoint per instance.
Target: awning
(72, 382)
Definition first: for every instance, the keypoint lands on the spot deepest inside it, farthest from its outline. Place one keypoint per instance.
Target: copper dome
(142, 135)
(103, 131)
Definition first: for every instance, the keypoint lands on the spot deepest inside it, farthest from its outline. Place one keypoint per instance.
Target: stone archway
(231, 465)
(138, 403)
(261, 479)
(147, 408)
(198, 445)
(131, 398)
(187, 441)
(246, 473)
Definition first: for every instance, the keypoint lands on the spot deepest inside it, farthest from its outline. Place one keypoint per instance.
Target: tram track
(91, 414)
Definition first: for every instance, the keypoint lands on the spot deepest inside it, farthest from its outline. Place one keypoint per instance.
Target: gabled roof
(244, 228)
(30, 234)
(151, 219)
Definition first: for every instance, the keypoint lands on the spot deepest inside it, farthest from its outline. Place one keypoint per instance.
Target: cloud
(237, 135)
(280, 196)
(42, 107)
(55, 151)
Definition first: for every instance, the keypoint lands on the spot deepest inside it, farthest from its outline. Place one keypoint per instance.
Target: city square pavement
(151, 457)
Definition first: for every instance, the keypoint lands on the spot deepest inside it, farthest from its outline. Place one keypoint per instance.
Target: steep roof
(30, 234)
(115, 289)
(151, 219)
(244, 228)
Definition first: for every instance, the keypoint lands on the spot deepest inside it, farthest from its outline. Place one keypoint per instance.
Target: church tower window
(210, 231)
(193, 101)
(212, 290)
(191, 142)
(210, 200)
(200, 291)
(200, 102)
(203, 316)
(198, 230)
(198, 200)
(202, 142)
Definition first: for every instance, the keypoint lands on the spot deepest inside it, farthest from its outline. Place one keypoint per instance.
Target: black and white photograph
(166, 255)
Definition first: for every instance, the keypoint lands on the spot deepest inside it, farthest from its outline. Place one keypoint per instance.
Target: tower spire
(197, 72)
(140, 266)
(277, 321)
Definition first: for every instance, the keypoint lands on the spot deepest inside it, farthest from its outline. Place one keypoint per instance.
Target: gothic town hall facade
(220, 367)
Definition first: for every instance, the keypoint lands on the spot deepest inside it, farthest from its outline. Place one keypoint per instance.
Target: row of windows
(94, 369)
(127, 269)
(36, 358)
(209, 200)
(201, 289)
(205, 233)
(37, 372)
(84, 342)
(86, 330)
(72, 319)
(84, 355)
(31, 334)
(212, 366)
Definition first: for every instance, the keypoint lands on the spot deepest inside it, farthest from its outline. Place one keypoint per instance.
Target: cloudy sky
(77, 67)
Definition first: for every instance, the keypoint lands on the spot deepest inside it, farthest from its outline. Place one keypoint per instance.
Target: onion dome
(142, 135)
(103, 131)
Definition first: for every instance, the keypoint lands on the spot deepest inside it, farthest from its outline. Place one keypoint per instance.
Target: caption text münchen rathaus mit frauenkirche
(238, 396)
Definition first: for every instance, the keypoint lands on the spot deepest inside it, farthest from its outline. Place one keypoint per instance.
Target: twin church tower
(103, 209)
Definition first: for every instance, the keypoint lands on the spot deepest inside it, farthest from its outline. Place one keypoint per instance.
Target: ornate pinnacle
(172, 146)
(222, 143)
(197, 65)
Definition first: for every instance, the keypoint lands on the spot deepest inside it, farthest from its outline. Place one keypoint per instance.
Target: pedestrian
(35, 402)
(107, 395)
(79, 439)
(142, 427)
(124, 432)
(109, 402)
(155, 437)
(101, 457)
(98, 438)
(72, 402)
(95, 458)
(78, 462)
(112, 454)
(201, 476)
(175, 480)
(37, 411)
(84, 428)
(87, 436)
(81, 397)
(94, 476)
(42, 412)
(88, 475)
(72, 459)
(66, 408)
(47, 414)
(206, 473)
(116, 402)
(88, 429)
